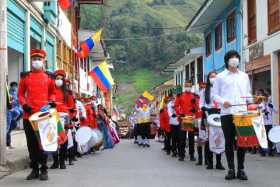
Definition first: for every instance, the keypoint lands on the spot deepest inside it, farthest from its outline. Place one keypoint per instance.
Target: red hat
(60, 72)
(67, 81)
(202, 84)
(38, 53)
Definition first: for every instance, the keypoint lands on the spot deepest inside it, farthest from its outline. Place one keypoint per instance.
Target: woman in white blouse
(209, 106)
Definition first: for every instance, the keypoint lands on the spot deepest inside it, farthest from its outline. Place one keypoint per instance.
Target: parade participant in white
(230, 90)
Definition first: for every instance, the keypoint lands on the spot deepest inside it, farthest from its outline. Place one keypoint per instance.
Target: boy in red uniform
(164, 125)
(186, 103)
(36, 88)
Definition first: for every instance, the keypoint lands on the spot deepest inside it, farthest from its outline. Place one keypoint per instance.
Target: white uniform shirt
(171, 111)
(202, 101)
(234, 88)
(267, 112)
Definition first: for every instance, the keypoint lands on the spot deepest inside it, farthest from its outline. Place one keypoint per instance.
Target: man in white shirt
(230, 90)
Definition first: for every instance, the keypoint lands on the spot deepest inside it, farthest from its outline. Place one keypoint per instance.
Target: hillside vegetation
(142, 37)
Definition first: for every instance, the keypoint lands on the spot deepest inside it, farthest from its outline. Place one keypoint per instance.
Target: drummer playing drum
(229, 89)
(36, 88)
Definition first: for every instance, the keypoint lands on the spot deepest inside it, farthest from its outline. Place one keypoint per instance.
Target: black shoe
(209, 167)
(241, 175)
(181, 159)
(33, 175)
(192, 158)
(71, 163)
(140, 144)
(54, 166)
(168, 152)
(220, 167)
(199, 163)
(174, 155)
(263, 154)
(62, 165)
(230, 175)
(44, 176)
(135, 142)
(164, 149)
(147, 145)
(271, 154)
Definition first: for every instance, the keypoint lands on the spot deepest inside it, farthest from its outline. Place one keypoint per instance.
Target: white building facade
(261, 49)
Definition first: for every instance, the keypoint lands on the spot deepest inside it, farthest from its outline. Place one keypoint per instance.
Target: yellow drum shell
(244, 119)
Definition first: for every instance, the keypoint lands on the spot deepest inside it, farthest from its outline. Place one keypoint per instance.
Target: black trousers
(175, 138)
(182, 143)
(60, 155)
(200, 153)
(36, 154)
(209, 155)
(229, 133)
(167, 141)
(144, 130)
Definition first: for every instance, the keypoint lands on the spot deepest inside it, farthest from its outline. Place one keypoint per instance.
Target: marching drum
(45, 126)
(187, 123)
(274, 135)
(83, 136)
(216, 135)
(246, 136)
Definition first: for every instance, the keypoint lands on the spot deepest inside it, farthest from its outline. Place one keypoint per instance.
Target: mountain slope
(142, 37)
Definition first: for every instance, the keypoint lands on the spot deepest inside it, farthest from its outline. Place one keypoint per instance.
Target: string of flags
(145, 98)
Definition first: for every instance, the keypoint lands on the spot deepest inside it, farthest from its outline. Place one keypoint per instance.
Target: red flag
(64, 4)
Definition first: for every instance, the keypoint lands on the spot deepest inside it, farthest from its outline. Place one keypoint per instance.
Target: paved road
(130, 166)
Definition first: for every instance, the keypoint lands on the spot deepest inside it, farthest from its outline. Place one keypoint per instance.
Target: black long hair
(208, 88)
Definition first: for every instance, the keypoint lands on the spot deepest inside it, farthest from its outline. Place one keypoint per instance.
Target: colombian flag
(88, 44)
(102, 76)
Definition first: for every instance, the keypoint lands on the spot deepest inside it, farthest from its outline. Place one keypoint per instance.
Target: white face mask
(188, 89)
(37, 64)
(212, 80)
(59, 83)
(233, 62)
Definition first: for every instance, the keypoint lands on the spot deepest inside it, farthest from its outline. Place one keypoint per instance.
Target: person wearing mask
(231, 90)
(201, 132)
(174, 126)
(36, 89)
(185, 104)
(15, 113)
(267, 108)
(209, 106)
(64, 104)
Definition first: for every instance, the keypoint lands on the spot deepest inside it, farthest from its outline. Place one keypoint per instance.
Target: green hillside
(142, 37)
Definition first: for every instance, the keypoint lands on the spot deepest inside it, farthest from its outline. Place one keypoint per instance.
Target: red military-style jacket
(91, 116)
(164, 119)
(187, 103)
(63, 102)
(36, 89)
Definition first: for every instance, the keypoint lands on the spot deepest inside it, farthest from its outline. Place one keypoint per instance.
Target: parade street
(130, 166)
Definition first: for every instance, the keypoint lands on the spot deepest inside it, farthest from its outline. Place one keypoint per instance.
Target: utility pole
(3, 79)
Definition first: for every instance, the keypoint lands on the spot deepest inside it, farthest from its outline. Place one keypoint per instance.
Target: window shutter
(273, 16)
(252, 36)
